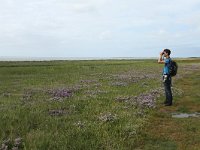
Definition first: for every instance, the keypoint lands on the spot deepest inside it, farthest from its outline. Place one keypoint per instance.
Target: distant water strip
(69, 58)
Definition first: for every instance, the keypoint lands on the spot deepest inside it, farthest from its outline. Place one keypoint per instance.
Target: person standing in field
(167, 80)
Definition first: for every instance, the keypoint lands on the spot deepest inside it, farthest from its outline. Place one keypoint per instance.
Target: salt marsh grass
(80, 104)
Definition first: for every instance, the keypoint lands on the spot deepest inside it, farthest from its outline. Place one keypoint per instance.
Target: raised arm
(160, 59)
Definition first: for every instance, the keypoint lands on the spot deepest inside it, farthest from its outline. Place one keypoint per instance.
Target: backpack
(173, 68)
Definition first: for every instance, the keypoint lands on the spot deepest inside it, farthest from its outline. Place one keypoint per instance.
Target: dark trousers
(167, 80)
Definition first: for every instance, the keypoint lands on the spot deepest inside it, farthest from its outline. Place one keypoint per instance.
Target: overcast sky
(99, 28)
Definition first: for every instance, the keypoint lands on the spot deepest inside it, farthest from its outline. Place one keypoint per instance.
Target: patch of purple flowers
(124, 79)
(148, 99)
(14, 145)
(61, 93)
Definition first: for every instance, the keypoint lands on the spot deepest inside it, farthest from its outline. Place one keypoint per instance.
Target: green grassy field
(107, 104)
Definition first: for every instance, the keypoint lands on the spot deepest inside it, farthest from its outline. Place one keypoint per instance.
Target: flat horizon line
(23, 58)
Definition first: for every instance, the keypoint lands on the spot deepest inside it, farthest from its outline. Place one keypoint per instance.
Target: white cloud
(84, 25)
